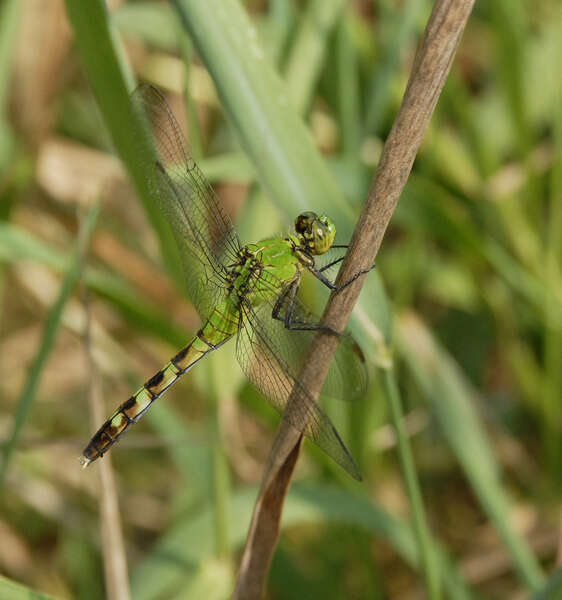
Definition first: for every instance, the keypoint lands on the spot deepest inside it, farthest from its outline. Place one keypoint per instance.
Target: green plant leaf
(16, 591)
(50, 329)
(553, 588)
(178, 555)
(452, 402)
(112, 81)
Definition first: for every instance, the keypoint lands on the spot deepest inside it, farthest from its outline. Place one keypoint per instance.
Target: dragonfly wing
(330, 262)
(204, 233)
(271, 357)
(347, 377)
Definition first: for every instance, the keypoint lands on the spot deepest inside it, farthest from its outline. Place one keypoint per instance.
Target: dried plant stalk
(114, 556)
(429, 72)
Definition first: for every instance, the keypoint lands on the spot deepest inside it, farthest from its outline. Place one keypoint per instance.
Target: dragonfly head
(316, 232)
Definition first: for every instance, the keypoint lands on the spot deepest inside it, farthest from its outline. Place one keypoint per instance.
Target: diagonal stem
(114, 556)
(429, 72)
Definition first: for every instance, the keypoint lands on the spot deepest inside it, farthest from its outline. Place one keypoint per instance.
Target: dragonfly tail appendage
(134, 408)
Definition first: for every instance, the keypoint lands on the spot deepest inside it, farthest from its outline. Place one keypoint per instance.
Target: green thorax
(264, 268)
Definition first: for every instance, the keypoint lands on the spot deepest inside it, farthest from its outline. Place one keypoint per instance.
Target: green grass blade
(399, 35)
(16, 591)
(195, 141)
(451, 401)
(9, 20)
(552, 382)
(281, 21)
(173, 563)
(232, 166)
(50, 329)
(17, 244)
(348, 90)
(214, 580)
(257, 103)
(510, 25)
(421, 528)
(428, 207)
(111, 80)
(151, 22)
(553, 589)
(309, 51)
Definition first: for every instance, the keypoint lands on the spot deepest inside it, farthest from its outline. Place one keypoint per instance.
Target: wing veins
(212, 260)
(296, 405)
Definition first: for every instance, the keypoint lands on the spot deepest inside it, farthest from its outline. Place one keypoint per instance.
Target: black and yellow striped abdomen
(219, 328)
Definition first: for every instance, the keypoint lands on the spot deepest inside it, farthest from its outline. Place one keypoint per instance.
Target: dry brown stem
(429, 72)
(114, 557)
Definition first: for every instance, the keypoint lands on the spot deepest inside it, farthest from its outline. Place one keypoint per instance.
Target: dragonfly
(247, 292)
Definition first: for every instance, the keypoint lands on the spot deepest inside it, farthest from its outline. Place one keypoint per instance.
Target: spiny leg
(289, 294)
(331, 264)
(330, 284)
(337, 260)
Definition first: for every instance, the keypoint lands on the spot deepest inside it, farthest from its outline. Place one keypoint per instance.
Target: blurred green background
(286, 105)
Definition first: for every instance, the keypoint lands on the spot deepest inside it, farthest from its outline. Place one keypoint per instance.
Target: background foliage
(288, 104)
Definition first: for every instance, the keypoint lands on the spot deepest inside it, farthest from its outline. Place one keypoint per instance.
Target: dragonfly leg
(330, 284)
(284, 311)
(331, 264)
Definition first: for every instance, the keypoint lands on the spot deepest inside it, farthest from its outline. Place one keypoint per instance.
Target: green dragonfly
(248, 292)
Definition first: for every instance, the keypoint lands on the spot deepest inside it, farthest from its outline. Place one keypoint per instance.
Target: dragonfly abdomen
(219, 328)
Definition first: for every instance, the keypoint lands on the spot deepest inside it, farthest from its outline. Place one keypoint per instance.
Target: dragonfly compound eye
(323, 232)
(304, 221)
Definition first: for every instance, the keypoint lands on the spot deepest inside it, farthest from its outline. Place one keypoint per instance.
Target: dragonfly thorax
(315, 233)
(246, 284)
(248, 267)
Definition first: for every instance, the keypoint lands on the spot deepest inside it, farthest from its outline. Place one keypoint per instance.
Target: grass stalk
(221, 476)
(109, 74)
(348, 90)
(421, 528)
(48, 337)
(194, 131)
(308, 51)
(401, 34)
(113, 555)
(552, 383)
(448, 393)
(15, 591)
(9, 18)
(256, 102)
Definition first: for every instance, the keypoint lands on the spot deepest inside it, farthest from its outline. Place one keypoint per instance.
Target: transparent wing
(271, 357)
(333, 255)
(347, 378)
(204, 233)
(330, 262)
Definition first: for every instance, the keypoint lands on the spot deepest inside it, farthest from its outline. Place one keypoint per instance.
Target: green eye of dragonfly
(245, 292)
